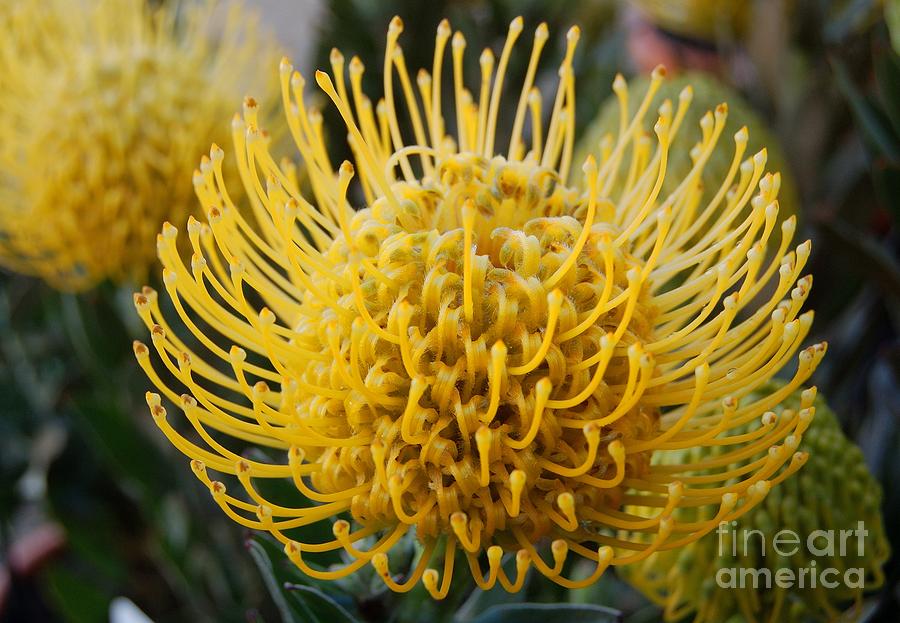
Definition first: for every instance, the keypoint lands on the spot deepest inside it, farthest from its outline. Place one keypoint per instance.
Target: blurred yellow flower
(485, 355)
(105, 108)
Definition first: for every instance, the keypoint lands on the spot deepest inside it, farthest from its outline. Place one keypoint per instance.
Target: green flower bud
(807, 525)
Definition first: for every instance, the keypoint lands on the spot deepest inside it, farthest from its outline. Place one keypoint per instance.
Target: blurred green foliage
(136, 522)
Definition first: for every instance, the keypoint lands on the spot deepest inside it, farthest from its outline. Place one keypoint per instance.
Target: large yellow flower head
(105, 108)
(484, 354)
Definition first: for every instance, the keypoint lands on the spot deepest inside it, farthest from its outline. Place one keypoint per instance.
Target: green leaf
(542, 613)
(875, 127)
(114, 435)
(320, 607)
(887, 74)
(295, 595)
(266, 569)
(646, 614)
(77, 599)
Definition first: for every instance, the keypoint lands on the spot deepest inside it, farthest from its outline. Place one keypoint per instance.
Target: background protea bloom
(104, 109)
(834, 493)
(484, 354)
(702, 20)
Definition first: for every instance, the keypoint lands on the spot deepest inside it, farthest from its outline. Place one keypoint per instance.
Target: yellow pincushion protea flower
(483, 355)
(105, 108)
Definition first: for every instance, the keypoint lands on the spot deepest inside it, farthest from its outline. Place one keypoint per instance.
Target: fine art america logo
(831, 545)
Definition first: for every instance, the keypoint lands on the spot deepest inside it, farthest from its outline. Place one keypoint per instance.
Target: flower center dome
(498, 305)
